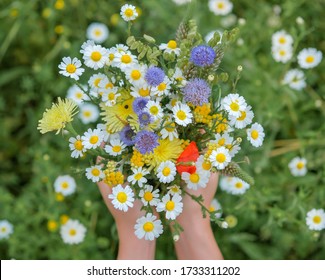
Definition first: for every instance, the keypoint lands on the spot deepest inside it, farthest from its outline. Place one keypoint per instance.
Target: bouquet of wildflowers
(165, 126)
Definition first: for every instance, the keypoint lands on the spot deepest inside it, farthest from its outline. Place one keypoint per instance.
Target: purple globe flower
(144, 118)
(197, 92)
(127, 135)
(146, 141)
(202, 56)
(154, 76)
(139, 104)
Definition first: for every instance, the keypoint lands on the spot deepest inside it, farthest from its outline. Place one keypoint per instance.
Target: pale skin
(196, 241)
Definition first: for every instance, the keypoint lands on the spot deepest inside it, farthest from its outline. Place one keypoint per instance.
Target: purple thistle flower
(146, 141)
(202, 56)
(127, 135)
(144, 118)
(197, 92)
(139, 104)
(154, 76)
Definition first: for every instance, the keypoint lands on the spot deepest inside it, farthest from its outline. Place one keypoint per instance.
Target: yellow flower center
(148, 226)
(116, 149)
(95, 172)
(242, 116)
(111, 96)
(162, 87)
(220, 5)
(98, 32)
(64, 185)
(96, 56)
(211, 208)
(254, 134)
(310, 59)
(154, 110)
(206, 165)
(282, 52)
(78, 145)
(97, 81)
(166, 171)
(93, 139)
(3, 229)
(317, 219)
(170, 205)
(126, 58)
(122, 197)
(79, 95)
(170, 127)
(194, 178)
(71, 68)
(144, 92)
(138, 176)
(109, 85)
(300, 165)
(174, 189)
(222, 141)
(181, 115)
(282, 40)
(172, 44)
(128, 12)
(72, 232)
(111, 56)
(220, 158)
(135, 74)
(239, 185)
(148, 196)
(87, 114)
(234, 106)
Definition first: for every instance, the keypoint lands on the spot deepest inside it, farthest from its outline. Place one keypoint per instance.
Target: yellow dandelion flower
(167, 150)
(58, 116)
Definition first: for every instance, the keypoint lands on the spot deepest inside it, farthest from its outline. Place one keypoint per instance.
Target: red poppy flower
(187, 158)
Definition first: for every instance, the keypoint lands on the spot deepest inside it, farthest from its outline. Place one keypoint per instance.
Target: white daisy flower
(140, 90)
(138, 176)
(282, 39)
(238, 186)
(77, 94)
(315, 219)
(220, 158)
(173, 206)
(149, 196)
(163, 88)
(255, 135)
(166, 171)
(245, 118)
(71, 67)
(295, 78)
(95, 57)
(234, 104)
(122, 198)
(107, 83)
(92, 138)
(202, 164)
(88, 43)
(182, 114)
(95, 173)
(89, 113)
(115, 147)
(98, 32)
(154, 109)
(75, 145)
(170, 47)
(309, 58)
(109, 96)
(128, 12)
(124, 60)
(169, 131)
(220, 7)
(172, 190)
(178, 77)
(298, 166)
(135, 73)
(6, 229)
(73, 232)
(223, 140)
(148, 227)
(196, 180)
(234, 148)
(65, 185)
(216, 206)
(226, 183)
(95, 80)
(282, 54)
(105, 131)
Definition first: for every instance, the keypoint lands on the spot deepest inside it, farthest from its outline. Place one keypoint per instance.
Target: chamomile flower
(169, 131)
(149, 196)
(282, 39)
(75, 145)
(71, 68)
(89, 113)
(220, 158)
(122, 198)
(92, 138)
(98, 32)
(148, 227)
(166, 171)
(95, 80)
(138, 176)
(223, 140)
(245, 118)
(77, 94)
(94, 173)
(109, 96)
(170, 47)
(105, 131)
(135, 73)
(95, 57)
(315, 219)
(172, 190)
(88, 43)
(202, 164)
(196, 180)
(298, 166)
(295, 79)
(238, 186)
(281, 53)
(178, 77)
(140, 90)
(220, 7)
(255, 135)
(216, 206)
(115, 147)
(182, 114)
(124, 60)
(234, 104)
(73, 232)
(128, 12)
(163, 88)
(226, 183)
(309, 58)
(6, 229)
(173, 206)
(154, 109)
(65, 185)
